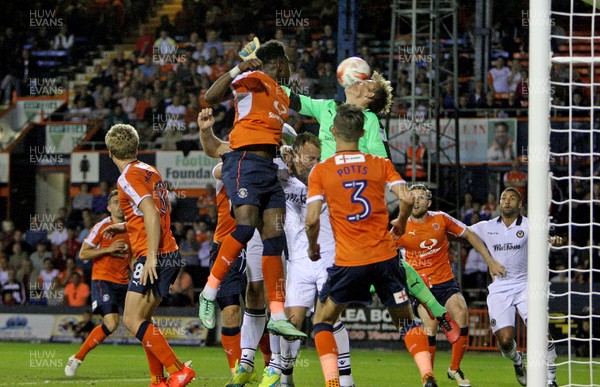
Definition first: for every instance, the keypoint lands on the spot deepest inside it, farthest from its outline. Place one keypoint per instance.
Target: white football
(352, 70)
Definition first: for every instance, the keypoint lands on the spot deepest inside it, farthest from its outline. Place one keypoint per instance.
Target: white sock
(551, 358)
(275, 361)
(209, 293)
(512, 354)
(278, 316)
(289, 353)
(343, 343)
(253, 326)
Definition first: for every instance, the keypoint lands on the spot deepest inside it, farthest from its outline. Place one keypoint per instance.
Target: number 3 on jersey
(358, 186)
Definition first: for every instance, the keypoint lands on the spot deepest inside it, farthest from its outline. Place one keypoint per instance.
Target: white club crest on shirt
(425, 244)
(520, 233)
(436, 226)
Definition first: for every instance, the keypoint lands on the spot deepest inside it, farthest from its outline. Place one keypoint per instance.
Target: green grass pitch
(25, 364)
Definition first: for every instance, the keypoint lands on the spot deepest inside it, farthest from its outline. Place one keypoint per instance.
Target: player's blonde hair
(383, 94)
(122, 141)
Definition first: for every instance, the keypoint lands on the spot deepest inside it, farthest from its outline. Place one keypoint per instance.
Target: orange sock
(416, 343)
(153, 339)
(432, 347)
(157, 373)
(459, 348)
(96, 336)
(327, 350)
(274, 281)
(230, 340)
(229, 251)
(265, 348)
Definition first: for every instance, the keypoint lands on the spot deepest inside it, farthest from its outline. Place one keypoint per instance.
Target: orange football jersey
(261, 108)
(426, 245)
(109, 268)
(353, 185)
(225, 222)
(137, 182)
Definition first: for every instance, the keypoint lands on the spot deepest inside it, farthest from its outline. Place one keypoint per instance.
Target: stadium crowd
(160, 88)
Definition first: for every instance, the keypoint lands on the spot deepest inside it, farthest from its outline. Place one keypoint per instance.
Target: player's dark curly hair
(270, 51)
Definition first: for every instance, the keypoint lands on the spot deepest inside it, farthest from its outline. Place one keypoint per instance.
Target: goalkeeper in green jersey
(374, 96)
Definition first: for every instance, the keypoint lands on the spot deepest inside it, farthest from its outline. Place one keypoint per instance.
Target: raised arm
(212, 145)
(496, 268)
(220, 90)
(406, 203)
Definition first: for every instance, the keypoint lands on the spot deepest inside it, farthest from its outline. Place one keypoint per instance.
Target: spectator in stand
(100, 111)
(99, 79)
(475, 211)
(143, 46)
(148, 68)
(327, 82)
(100, 201)
(80, 112)
(175, 113)
(72, 244)
(517, 179)
(36, 233)
(128, 102)
(63, 40)
(308, 64)
(70, 267)
(489, 102)
(499, 77)
(59, 235)
(28, 275)
(83, 199)
(200, 51)
(116, 116)
(13, 291)
(182, 290)
(208, 199)
(189, 248)
(521, 91)
(47, 276)
(212, 40)
(303, 84)
(40, 255)
(516, 76)
(18, 256)
(4, 268)
(76, 292)
(141, 106)
(476, 271)
(490, 206)
(218, 69)
(202, 68)
(169, 138)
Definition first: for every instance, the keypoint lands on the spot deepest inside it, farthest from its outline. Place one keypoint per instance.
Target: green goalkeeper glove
(249, 50)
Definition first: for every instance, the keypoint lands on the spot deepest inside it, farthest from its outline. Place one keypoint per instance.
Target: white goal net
(574, 162)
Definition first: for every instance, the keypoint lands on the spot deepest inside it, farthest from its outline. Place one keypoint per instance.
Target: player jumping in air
(353, 185)
(250, 176)
(426, 249)
(143, 197)
(506, 236)
(110, 276)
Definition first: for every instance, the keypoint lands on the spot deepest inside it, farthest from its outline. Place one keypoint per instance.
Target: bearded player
(425, 247)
